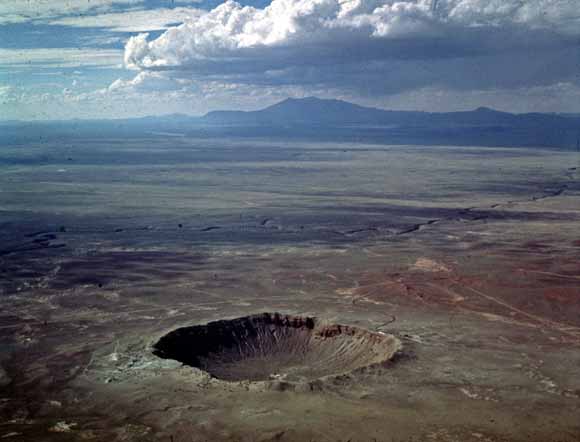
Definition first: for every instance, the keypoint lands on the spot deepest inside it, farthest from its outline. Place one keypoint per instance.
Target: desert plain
(467, 257)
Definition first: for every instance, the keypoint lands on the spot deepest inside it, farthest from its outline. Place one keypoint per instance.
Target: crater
(273, 346)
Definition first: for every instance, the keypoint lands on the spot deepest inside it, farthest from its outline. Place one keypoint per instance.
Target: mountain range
(320, 112)
(329, 119)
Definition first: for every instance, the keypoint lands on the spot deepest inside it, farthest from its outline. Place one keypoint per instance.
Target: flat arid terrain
(386, 293)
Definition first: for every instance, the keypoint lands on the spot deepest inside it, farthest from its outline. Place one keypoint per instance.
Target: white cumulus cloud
(296, 31)
(372, 48)
(146, 82)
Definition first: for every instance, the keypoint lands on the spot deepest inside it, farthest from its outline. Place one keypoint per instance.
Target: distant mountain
(319, 112)
(320, 119)
(314, 118)
(302, 111)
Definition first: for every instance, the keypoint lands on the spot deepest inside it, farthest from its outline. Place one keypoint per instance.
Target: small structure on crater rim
(271, 346)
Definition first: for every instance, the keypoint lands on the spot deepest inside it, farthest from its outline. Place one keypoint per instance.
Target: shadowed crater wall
(274, 346)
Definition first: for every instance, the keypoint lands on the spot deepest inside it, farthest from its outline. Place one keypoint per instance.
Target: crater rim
(269, 347)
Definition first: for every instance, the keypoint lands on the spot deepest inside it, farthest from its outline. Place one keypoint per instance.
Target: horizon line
(193, 116)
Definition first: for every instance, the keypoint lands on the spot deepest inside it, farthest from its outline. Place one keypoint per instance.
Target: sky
(65, 59)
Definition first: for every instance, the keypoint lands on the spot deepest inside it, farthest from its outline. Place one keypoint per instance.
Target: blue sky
(63, 59)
